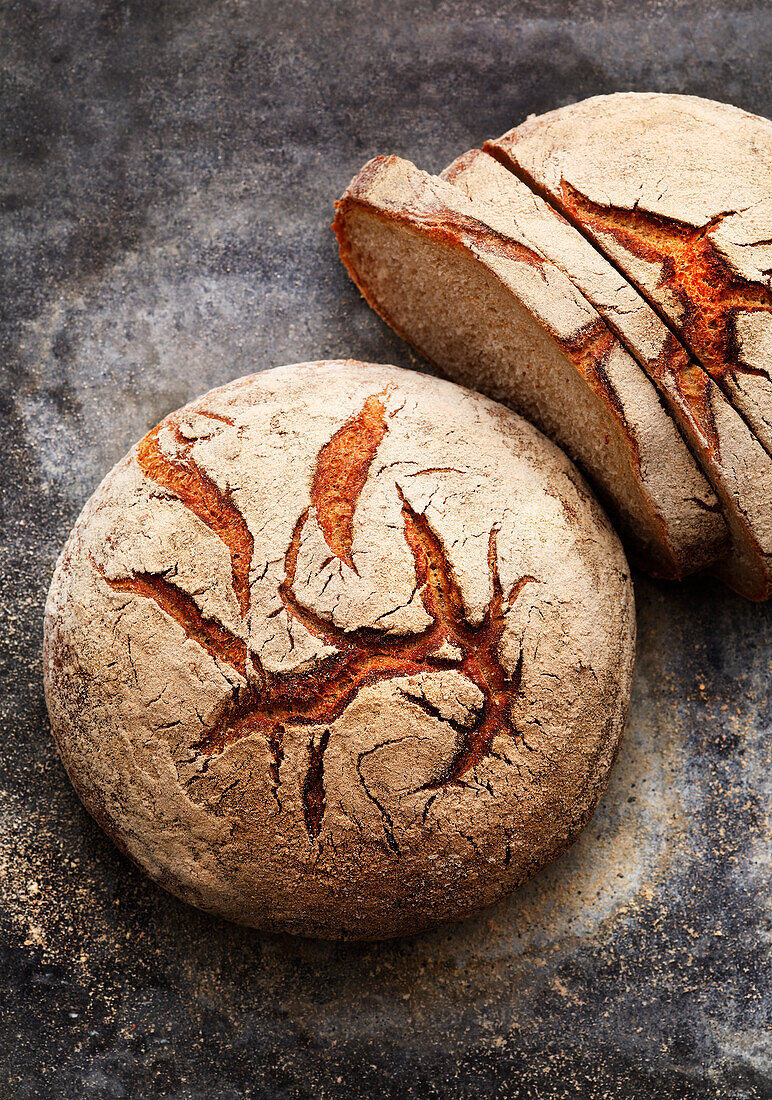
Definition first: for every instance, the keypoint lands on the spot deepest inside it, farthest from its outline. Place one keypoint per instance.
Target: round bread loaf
(341, 650)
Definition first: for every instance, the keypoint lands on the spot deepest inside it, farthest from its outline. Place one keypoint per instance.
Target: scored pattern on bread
(341, 471)
(269, 702)
(730, 455)
(182, 476)
(677, 192)
(216, 639)
(439, 262)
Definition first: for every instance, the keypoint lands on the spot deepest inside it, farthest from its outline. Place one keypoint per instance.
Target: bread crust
(685, 530)
(677, 192)
(730, 455)
(340, 650)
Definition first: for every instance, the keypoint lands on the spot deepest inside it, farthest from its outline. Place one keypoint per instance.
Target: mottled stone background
(168, 176)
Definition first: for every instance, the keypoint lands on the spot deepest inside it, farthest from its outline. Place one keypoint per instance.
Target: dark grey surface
(168, 175)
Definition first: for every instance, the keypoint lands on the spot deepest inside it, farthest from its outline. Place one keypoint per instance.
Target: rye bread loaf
(491, 312)
(677, 191)
(342, 650)
(731, 456)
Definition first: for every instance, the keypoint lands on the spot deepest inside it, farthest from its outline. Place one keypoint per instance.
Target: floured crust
(341, 650)
(732, 458)
(677, 191)
(678, 528)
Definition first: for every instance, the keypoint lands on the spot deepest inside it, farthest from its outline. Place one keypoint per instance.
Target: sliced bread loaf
(483, 306)
(677, 191)
(732, 458)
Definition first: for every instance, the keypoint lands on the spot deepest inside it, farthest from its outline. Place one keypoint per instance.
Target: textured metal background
(168, 175)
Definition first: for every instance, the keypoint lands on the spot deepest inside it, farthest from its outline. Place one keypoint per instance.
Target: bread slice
(489, 311)
(730, 455)
(677, 191)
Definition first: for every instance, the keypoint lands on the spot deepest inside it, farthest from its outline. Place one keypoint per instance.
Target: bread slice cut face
(677, 191)
(730, 455)
(488, 310)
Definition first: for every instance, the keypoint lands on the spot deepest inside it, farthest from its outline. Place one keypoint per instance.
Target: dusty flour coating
(342, 650)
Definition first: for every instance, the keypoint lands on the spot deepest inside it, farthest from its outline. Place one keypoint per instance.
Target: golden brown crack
(672, 363)
(341, 472)
(210, 635)
(692, 270)
(590, 357)
(694, 386)
(199, 493)
(479, 644)
(313, 788)
(317, 697)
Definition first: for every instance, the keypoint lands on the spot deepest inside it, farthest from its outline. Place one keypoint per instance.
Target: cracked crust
(731, 457)
(340, 650)
(491, 309)
(677, 191)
